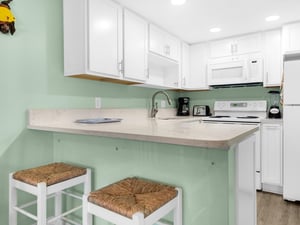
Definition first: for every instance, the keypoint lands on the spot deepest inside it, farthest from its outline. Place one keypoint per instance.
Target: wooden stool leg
(42, 204)
(177, 214)
(12, 201)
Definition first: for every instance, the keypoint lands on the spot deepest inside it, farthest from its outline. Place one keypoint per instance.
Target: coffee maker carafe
(183, 106)
(274, 110)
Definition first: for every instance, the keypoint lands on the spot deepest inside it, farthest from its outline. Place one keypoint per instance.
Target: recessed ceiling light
(215, 30)
(178, 2)
(272, 18)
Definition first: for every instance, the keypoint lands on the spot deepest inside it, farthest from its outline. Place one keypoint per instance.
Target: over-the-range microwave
(235, 70)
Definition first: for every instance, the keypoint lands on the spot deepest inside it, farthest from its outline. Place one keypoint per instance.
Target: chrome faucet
(154, 108)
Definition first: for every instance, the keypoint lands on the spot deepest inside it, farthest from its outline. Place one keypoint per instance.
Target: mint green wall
(31, 76)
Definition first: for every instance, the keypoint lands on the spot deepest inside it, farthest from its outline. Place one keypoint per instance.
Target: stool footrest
(64, 214)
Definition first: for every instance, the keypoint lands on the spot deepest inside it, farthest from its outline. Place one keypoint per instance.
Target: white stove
(238, 112)
(244, 113)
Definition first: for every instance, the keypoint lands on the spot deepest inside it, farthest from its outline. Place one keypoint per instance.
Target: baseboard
(272, 188)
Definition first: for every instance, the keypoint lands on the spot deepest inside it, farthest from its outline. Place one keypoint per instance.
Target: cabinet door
(291, 37)
(163, 44)
(197, 78)
(185, 64)
(156, 40)
(135, 47)
(104, 37)
(272, 154)
(221, 48)
(247, 44)
(272, 59)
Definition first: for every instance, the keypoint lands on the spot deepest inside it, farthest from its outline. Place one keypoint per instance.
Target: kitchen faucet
(154, 108)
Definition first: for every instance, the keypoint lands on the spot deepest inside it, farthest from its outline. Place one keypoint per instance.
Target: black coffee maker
(183, 106)
(274, 110)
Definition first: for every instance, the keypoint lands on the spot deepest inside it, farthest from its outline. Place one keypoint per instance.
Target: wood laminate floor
(273, 210)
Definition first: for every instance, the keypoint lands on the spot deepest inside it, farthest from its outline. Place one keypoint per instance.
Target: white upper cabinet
(135, 47)
(185, 64)
(290, 38)
(235, 46)
(197, 78)
(272, 58)
(94, 46)
(162, 43)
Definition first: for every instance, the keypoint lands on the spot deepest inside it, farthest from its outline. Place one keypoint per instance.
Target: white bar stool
(133, 201)
(45, 182)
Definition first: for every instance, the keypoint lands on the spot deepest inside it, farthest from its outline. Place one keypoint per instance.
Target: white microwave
(235, 70)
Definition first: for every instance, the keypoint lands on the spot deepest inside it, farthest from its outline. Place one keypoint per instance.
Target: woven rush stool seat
(44, 182)
(50, 174)
(131, 200)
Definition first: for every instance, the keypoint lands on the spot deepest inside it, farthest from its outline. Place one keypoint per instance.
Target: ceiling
(191, 22)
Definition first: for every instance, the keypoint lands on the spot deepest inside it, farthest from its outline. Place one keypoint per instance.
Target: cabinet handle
(184, 81)
(167, 50)
(121, 66)
(267, 77)
(147, 73)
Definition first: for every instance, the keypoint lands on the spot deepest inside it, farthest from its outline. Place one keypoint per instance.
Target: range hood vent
(237, 85)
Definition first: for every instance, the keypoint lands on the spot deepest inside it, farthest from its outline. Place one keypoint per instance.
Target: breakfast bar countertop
(136, 125)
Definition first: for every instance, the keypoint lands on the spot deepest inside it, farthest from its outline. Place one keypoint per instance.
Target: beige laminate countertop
(136, 125)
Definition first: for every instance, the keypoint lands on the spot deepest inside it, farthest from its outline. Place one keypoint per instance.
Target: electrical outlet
(97, 102)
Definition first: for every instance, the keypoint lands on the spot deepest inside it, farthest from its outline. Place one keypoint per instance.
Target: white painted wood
(104, 37)
(272, 58)
(271, 150)
(164, 44)
(235, 46)
(135, 47)
(245, 182)
(185, 64)
(290, 38)
(197, 78)
(94, 45)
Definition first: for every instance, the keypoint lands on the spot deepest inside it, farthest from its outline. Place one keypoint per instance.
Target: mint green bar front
(205, 175)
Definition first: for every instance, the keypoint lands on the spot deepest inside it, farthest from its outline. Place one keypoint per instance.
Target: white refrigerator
(291, 130)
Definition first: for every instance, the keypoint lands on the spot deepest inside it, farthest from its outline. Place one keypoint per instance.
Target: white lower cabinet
(271, 156)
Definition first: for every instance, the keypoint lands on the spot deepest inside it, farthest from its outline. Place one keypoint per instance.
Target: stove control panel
(256, 106)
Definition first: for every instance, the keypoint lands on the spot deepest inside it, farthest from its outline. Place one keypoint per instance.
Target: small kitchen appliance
(201, 110)
(274, 111)
(183, 106)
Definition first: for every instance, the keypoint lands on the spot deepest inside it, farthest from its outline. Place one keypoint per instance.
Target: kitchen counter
(213, 163)
(136, 125)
